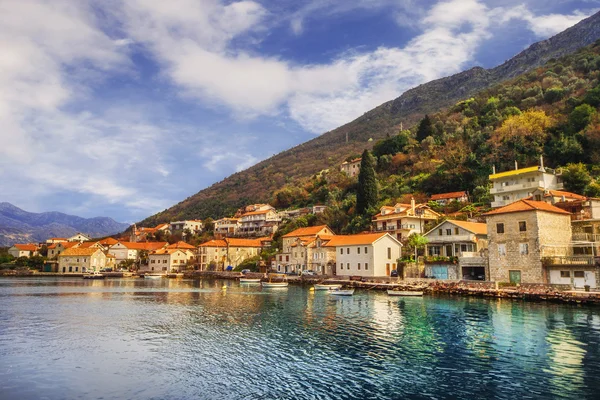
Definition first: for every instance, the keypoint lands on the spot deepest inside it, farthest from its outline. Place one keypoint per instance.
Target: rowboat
(327, 286)
(282, 282)
(404, 293)
(342, 292)
(249, 280)
(93, 275)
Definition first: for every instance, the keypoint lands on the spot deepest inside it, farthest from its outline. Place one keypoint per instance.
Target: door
(387, 269)
(590, 279)
(439, 272)
(514, 277)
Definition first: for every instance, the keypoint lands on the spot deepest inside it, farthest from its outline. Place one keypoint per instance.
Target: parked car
(309, 272)
(394, 273)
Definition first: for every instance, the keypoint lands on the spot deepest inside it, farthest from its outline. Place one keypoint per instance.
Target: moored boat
(93, 275)
(249, 280)
(280, 281)
(327, 286)
(153, 276)
(391, 292)
(342, 292)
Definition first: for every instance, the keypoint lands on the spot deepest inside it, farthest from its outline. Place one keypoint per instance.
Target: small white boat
(342, 292)
(93, 275)
(274, 284)
(249, 280)
(327, 286)
(404, 293)
(153, 276)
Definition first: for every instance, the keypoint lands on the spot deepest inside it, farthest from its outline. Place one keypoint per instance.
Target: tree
(22, 262)
(366, 194)
(417, 242)
(576, 177)
(425, 128)
(581, 116)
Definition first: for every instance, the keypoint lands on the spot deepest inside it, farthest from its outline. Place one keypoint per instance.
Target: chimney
(493, 169)
(516, 165)
(542, 163)
(412, 205)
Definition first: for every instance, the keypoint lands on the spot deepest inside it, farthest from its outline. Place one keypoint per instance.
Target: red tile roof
(445, 196)
(527, 205)
(309, 231)
(568, 195)
(214, 243)
(348, 240)
(180, 245)
(79, 252)
(475, 227)
(26, 247)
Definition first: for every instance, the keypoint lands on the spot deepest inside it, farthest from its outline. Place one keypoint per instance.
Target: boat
(327, 286)
(342, 292)
(249, 280)
(276, 284)
(153, 276)
(391, 292)
(93, 275)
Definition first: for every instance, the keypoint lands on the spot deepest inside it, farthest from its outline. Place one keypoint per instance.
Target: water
(173, 339)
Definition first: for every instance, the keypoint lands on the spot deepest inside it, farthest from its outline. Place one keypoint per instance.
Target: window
(565, 274)
(347, 265)
(341, 250)
(500, 228)
(76, 269)
(347, 250)
(505, 197)
(538, 197)
(358, 250)
(522, 226)
(164, 261)
(578, 274)
(389, 253)
(502, 249)
(366, 265)
(366, 250)
(358, 265)
(341, 265)
(504, 183)
(448, 232)
(440, 232)
(152, 261)
(456, 231)
(524, 248)
(78, 260)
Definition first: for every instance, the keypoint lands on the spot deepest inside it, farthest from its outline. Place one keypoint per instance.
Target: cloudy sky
(122, 108)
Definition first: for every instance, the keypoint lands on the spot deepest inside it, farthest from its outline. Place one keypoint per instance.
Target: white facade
(370, 259)
(194, 226)
(80, 237)
(508, 187)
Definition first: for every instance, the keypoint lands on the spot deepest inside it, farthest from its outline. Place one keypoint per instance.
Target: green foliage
(576, 177)
(592, 97)
(6, 258)
(249, 263)
(393, 145)
(366, 194)
(425, 128)
(593, 189)
(581, 116)
(22, 262)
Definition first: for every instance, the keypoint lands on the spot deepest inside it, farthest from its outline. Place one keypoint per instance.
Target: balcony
(519, 186)
(586, 237)
(569, 260)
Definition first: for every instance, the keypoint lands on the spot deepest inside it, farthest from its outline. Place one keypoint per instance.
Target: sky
(123, 108)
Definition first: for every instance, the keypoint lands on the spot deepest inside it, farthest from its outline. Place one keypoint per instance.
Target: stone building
(402, 220)
(520, 235)
(79, 260)
(297, 252)
(352, 167)
(222, 253)
(168, 261)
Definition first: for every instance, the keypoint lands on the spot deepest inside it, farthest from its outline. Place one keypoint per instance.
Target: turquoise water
(181, 339)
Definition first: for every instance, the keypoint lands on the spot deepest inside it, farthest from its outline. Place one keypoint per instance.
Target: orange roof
(26, 247)
(144, 245)
(527, 205)
(235, 242)
(560, 193)
(62, 239)
(87, 245)
(180, 245)
(476, 227)
(167, 251)
(451, 195)
(256, 212)
(79, 252)
(159, 226)
(310, 231)
(108, 241)
(348, 240)
(214, 243)
(68, 245)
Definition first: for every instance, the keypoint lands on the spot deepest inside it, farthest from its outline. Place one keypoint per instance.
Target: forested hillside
(431, 171)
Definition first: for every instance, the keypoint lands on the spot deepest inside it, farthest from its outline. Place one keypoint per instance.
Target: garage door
(439, 272)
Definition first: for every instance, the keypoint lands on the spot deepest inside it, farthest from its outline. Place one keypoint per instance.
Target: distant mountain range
(19, 226)
(257, 183)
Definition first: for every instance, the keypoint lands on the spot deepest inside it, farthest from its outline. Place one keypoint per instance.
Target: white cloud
(544, 26)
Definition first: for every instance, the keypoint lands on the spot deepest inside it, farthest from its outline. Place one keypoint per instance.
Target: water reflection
(167, 338)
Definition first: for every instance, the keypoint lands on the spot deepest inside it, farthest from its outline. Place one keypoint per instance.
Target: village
(535, 233)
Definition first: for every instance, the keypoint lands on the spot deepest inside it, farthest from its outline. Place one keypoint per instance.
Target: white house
(367, 255)
(23, 250)
(131, 250)
(352, 167)
(79, 237)
(168, 260)
(77, 260)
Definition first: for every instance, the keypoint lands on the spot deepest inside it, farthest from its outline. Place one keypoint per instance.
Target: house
(194, 226)
(23, 250)
(402, 220)
(55, 240)
(322, 256)
(445, 198)
(79, 237)
(142, 233)
(296, 255)
(457, 250)
(262, 222)
(366, 255)
(554, 196)
(510, 186)
(77, 260)
(318, 209)
(168, 260)
(291, 214)
(123, 251)
(226, 227)
(521, 235)
(222, 253)
(55, 249)
(352, 167)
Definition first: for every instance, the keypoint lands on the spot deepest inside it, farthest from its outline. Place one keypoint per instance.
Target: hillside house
(225, 227)
(445, 198)
(457, 250)
(194, 226)
(55, 240)
(79, 237)
(352, 167)
(262, 222)
(402, 220)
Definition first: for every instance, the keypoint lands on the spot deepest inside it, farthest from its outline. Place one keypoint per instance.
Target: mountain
(257, 183)
(19, 226)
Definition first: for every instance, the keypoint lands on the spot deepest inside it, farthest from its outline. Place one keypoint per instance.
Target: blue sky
(123, 108)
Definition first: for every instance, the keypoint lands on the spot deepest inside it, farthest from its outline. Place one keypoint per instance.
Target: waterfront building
(123, 251)
(402, 220)
(520, 235)
(168, 261)
(55, 249)
(457, 250)
(510, 186)
(323, 256)
(366, 255)
(23, 250)
(296, 254)
(78, 260)
(352, 167)
(218, 254)
(445, 198)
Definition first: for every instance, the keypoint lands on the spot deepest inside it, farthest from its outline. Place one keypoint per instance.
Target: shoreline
(526, 292)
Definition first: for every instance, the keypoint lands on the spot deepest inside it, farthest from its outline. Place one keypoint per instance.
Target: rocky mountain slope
(19, 226)
(257, 183)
